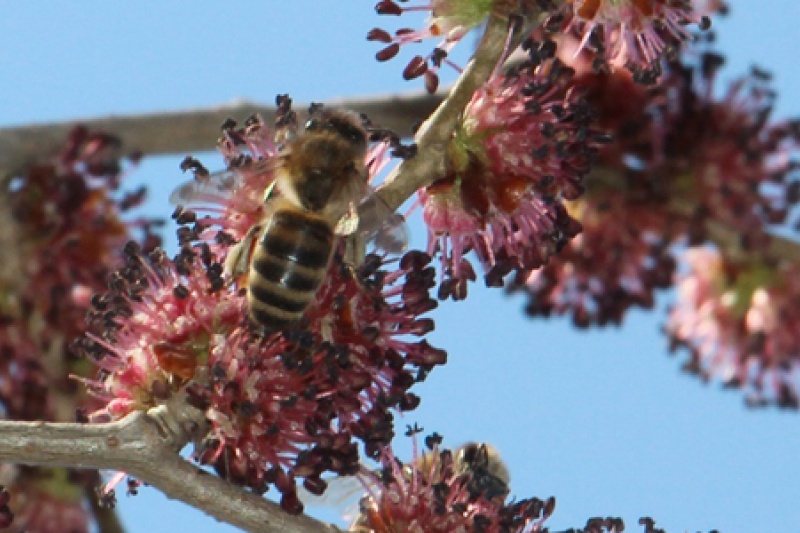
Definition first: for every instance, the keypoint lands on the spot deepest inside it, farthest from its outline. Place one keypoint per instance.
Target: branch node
(178, 422)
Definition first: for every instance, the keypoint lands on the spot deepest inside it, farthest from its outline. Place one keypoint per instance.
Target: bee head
(482, 462)
(345, 124)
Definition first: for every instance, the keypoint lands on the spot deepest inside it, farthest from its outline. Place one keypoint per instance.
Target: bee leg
(355, 249)
(237, 264)
(268, 191)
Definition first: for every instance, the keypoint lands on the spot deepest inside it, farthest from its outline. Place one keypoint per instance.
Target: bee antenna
(377, 133)
(404, 151)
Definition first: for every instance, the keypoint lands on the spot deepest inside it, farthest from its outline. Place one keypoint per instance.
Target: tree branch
(138, 445)
(192, 130)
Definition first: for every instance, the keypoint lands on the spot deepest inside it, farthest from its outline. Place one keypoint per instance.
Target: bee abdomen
(288, 265)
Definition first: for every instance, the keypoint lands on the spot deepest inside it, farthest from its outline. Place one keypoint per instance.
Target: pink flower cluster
(741, 326)
(683, 162)
(633, 34)
(522, 148)
(439, 493)
(281, 406)
(62, 223)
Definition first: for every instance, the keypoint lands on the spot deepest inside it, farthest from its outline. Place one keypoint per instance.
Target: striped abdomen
(287, 266)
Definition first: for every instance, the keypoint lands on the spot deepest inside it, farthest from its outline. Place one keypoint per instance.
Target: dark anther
(438, 56)
(434, 439)
(387, 7)
(533, 107)
(132, 248)
(252, 120)
(379, 35)
(540, 152)
(711, 62)
(760, 74)
(547, 49)
(431, 82)
(388, 52)
(228, 124)
(415, 68)
(413, 430)
(190, 163)
(185, 216)
(180, 291)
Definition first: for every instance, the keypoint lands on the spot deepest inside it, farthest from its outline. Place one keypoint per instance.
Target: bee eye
(354, 133)
(343, 126)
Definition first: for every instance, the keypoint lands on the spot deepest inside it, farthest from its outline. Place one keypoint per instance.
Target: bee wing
(214, 188)
(343, 492)
(381, 225)
(218, 187)
(392, 235)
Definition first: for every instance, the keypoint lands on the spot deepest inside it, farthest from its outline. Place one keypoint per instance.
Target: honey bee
(320, 191)
(488, 472)
(477, 463)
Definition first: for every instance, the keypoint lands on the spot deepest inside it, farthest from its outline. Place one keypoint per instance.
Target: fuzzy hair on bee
(320, 190)
(322, 171)
(320, 178)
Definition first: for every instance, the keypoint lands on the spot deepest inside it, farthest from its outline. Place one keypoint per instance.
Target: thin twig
(434, 134)
(106, 518)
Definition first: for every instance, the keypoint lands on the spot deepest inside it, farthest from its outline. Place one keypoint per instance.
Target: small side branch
(434, 134)
(106, 518)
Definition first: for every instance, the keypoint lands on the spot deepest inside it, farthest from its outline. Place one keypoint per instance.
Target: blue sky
(602, 420)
